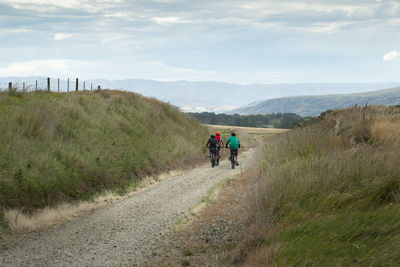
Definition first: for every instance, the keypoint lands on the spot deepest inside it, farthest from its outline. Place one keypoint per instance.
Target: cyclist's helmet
(217, 133)
(212, 136)
(233, 134)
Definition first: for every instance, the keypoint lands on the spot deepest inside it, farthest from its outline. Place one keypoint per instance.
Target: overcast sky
(243, 41)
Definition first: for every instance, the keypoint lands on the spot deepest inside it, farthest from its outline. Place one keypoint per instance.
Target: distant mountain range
(209, 96)
(314, 105)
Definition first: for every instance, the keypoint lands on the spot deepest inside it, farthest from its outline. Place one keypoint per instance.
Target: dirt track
(124, 233)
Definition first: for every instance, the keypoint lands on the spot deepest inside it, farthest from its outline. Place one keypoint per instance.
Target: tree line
(276, 120)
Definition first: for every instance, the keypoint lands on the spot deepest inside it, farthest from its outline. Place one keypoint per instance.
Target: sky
(236, 41)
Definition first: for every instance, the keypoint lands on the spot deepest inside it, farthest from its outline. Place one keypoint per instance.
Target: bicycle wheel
(233, 161)
(212, 160)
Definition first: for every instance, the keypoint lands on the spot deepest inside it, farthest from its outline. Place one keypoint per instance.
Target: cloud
(169, 20)
(44, 67)
(61, 36)
(14, 31)
(330, 27)
(63, 68)
(391, 55)
(116, 15)
(52, 5)
(226, 40)
(193, 109)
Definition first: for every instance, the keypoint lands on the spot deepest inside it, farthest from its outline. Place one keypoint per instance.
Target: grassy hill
(328, 193)
(314, 105)
(63, 147)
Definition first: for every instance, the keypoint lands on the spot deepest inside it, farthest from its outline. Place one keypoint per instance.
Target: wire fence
(48, 84)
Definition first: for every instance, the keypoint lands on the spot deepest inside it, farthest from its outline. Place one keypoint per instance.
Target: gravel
(125, 233)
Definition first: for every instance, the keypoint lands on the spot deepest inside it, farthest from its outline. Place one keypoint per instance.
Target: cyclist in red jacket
(220, 143)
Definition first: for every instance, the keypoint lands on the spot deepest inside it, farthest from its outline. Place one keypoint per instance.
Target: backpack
(213, 143)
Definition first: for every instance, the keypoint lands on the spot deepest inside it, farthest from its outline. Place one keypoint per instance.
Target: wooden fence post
(77, 84)
(91, 87)
(9, 86)
(48, 84)
(68, 85)
(23, 86)
(36, 86)
(84, 85)
(98, 87)
(58, 85)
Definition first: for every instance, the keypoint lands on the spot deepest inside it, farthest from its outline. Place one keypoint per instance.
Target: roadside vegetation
(66, 147)
(328, 193)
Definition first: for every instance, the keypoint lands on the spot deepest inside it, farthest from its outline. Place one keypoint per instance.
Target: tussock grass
(328, 193)
(67, 147)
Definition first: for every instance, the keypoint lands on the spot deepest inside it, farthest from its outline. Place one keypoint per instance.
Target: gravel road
(125, 233)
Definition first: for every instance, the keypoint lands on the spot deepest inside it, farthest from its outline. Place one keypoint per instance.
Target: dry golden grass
(19, 222)
(249, 130)
(386, 132)
(261, 257)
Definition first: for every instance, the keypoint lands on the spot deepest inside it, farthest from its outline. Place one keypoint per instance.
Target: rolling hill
(314, 105)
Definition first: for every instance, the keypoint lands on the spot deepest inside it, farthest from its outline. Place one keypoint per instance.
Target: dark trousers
(234, 152)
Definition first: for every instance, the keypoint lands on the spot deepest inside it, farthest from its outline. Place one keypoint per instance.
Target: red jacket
(219, 140)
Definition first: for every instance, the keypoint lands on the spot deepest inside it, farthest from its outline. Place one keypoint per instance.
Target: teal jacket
(233, 142)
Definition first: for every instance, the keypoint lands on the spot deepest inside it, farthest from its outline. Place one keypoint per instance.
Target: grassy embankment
(328, 193)
(67, 147)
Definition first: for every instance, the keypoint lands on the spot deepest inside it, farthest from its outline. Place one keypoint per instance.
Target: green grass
(361, 237)
(66, 147)
(328, 193)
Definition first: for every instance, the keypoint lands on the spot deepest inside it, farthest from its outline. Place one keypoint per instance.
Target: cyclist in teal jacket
(234, 145)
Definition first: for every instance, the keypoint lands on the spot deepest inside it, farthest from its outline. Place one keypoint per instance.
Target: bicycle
(214, 159)
(233, 158)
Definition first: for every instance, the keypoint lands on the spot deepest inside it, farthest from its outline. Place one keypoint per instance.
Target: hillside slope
(314, 105)
(57, 147)
(328, 193)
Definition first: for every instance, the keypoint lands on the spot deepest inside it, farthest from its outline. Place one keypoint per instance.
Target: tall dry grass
(327, 189)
